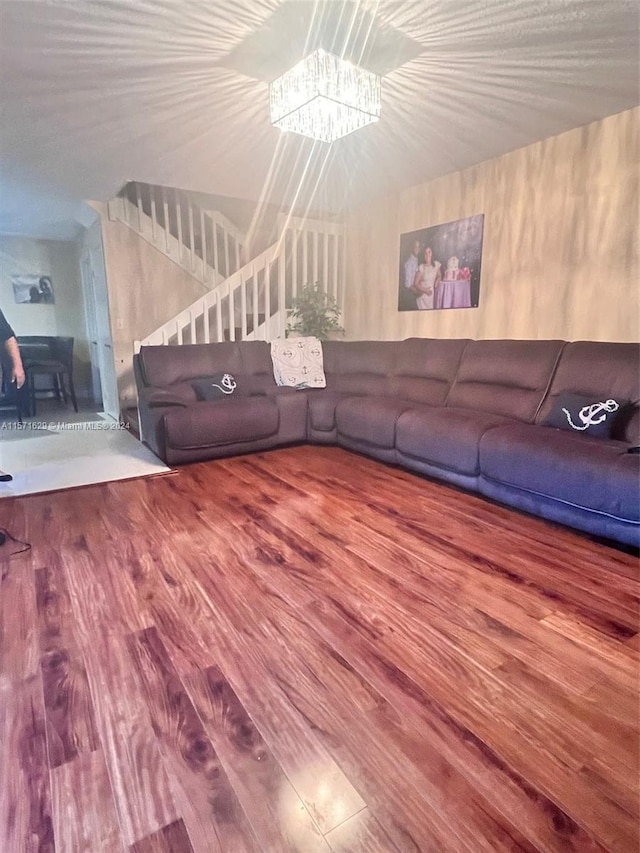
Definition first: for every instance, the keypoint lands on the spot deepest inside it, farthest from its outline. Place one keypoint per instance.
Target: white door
(98, 320)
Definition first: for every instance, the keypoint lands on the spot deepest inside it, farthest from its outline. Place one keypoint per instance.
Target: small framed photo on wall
(440, 266)
(32, 289)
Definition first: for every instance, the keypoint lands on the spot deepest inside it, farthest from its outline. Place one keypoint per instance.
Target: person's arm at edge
(17, 369)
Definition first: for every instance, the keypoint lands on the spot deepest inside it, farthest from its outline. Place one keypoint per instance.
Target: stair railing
(244, 306)
(254, 301)
(204, 242)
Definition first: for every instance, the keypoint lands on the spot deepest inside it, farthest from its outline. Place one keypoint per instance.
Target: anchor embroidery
(589, 414)
(227, 384)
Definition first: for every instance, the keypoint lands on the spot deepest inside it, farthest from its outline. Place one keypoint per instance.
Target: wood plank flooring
(307, 651)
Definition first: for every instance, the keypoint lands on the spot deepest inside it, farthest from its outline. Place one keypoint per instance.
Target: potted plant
(314, 312)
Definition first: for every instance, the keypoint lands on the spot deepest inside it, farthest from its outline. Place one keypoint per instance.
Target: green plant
(314, 312)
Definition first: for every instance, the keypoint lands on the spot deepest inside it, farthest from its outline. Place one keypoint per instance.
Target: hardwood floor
(308, 651)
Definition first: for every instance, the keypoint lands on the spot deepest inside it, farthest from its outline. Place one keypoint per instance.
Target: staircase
(203, 242)
(246, 299)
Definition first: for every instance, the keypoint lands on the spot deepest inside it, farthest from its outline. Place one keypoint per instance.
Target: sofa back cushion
(610, 370)
(164, 365)
(360, 367)
(425, 369)
(248, 361)
(507, 378)
(257, 367)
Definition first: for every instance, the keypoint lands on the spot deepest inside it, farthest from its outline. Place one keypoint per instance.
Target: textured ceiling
(97, 92)
(346, 28)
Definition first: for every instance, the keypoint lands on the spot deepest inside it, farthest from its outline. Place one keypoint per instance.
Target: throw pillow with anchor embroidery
(215, 387)
(594, 416)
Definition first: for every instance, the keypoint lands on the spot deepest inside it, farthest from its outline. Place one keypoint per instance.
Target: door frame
(99, 321)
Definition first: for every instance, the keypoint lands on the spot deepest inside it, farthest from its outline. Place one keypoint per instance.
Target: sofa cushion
(444, 436)
(592, 416)
(322, 409)
(582, 471)
(370, 419)
(222, 422)
(507, 378)
(425, 369)
(257, 369)
(593, 368)
(360, 367)
(165, 365)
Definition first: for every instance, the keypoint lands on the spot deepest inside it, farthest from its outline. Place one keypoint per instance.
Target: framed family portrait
(33, 289)
(440, 266)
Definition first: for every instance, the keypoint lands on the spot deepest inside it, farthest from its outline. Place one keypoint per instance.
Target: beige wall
(560, 255)
(145, 290)
(60, 261)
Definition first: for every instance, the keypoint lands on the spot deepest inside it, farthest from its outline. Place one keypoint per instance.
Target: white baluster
(179, 218)
(165, 211)
(305, 258)
(192, 318)
(139, 206)
(154, 223)
(334, 282)
(314, 259)
(203, 239)
(179, 332)
(237, 251)
(267, 301)
(205, 317)
(219, 330)
(256, 311)
(216, 266)
(325, 262)
(232, 317)
(294, 263)
(243, 308)
(227, 272)
(192, 238)
(343, 271)
(282, 287)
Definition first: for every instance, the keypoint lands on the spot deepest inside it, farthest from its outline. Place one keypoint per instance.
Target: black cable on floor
(5, 537)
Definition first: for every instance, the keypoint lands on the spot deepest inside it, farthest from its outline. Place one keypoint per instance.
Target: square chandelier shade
(324, 97)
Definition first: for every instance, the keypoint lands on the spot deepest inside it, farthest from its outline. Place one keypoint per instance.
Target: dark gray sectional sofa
(467, 412)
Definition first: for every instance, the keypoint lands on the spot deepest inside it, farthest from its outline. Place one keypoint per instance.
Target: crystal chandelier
(324, 97)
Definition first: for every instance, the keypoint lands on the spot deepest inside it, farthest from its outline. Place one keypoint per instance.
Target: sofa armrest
(157, 397)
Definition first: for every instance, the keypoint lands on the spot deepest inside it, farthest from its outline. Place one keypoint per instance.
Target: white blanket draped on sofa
(297, 363)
